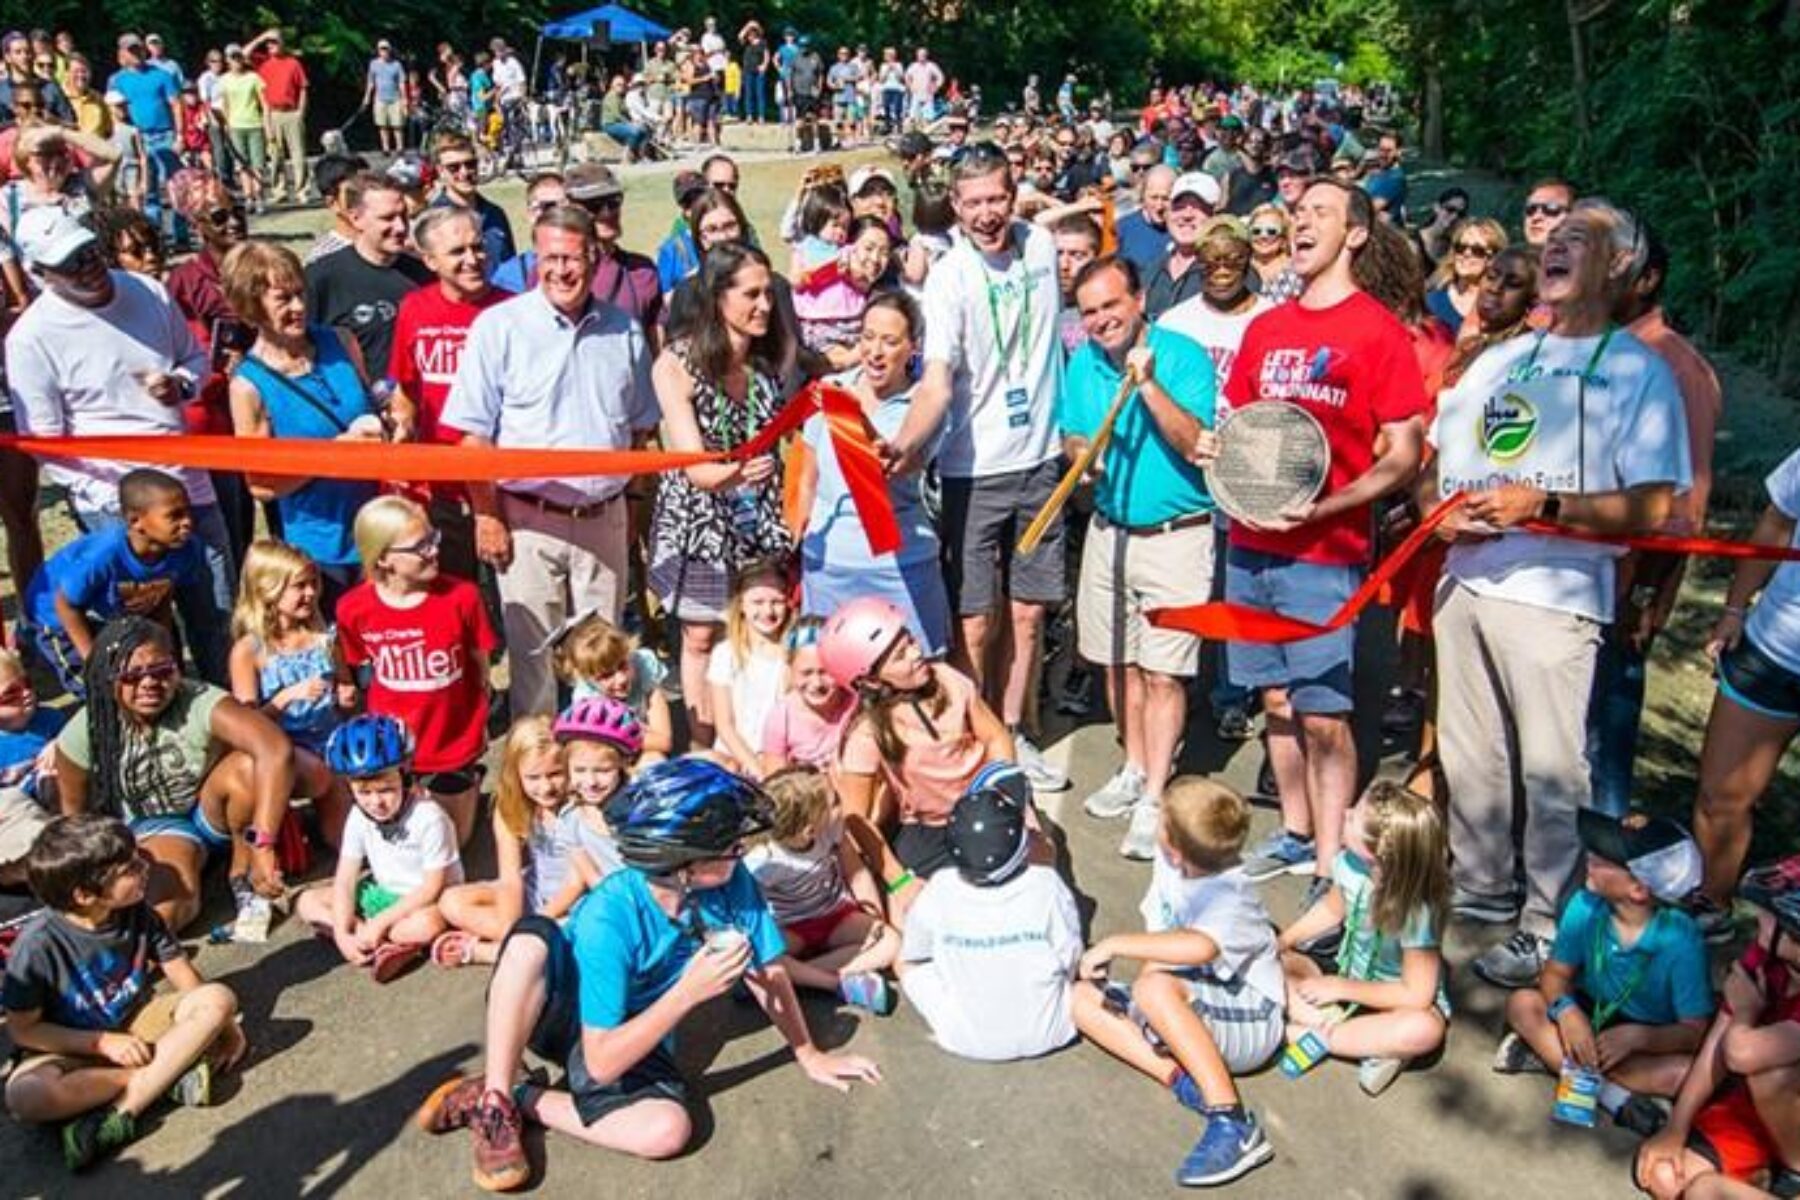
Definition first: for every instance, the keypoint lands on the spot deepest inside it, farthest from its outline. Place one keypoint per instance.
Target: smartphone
(230, 336)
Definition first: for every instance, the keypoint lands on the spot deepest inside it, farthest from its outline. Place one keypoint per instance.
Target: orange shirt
(1704, 401)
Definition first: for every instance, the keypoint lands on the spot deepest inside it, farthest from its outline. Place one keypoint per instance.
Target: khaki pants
(1513, 689)
(562, 566)
(287, 148)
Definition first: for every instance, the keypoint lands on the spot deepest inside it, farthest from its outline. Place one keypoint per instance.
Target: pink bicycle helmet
(602, 719)
(856, 636)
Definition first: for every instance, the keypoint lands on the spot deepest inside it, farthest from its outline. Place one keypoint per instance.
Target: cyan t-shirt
(99, 574)
(628, 952)
(1366, 952)
(1145, 480)
(1668, 963)
(147, 93)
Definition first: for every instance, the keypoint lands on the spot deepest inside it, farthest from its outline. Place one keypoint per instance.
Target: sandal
(453, 948)
(393, 958)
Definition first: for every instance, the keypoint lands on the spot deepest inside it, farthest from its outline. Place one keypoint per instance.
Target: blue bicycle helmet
(1776, 890)
(368, 745)
(682, 811)
(987, 835)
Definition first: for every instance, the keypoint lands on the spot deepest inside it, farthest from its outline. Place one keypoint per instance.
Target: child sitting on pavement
(100, 1044)
(27, 733)
(1735, 1129)
(1390, 885)
(1626, 990)
(595, 658)
(1207, 1003)
(384, 922)
(990, 947)
(806, 725)
(822, 894)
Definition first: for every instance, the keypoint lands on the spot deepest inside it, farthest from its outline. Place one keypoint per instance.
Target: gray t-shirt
(163, 765)
(387, 77)
(83, 978)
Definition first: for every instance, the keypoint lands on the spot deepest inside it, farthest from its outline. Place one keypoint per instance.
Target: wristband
(900, 881)
(1561, 1005)
(1552, 507)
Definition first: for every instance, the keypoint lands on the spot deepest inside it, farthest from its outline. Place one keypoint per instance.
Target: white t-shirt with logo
(1521, 414)
(427, 842)
(1005, 380)
(1774, 623)
(1221, 334)
(993, 966)
(1226, 908)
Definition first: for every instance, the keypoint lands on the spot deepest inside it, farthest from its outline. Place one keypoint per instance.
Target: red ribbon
(1228, 622)
(383, 462)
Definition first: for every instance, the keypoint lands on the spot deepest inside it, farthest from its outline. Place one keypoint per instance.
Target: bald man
(1144, 235)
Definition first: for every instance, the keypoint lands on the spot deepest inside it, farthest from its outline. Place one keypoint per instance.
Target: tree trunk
(1431, 131)
(1579, 80)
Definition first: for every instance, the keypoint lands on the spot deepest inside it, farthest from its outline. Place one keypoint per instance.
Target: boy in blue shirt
(1626, 991)
(680, 925)
(135, 568)
(26, 728)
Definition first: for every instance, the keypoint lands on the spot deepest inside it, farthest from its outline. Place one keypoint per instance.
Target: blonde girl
(807, 724)
(283, 663)
(596, 658)
(822, 893)
(602, 739)
(531, 847)
(748, 669)
(415, 643)
(1390, 890)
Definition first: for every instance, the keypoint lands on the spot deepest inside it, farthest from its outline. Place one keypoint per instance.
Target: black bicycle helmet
(1776, 890)
(683, 811)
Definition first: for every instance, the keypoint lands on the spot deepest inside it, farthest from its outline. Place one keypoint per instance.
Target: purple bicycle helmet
(602, 719)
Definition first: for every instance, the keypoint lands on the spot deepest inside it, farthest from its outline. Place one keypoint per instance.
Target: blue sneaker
(1283, 853)
(1187, 1093)
(1230, 1147)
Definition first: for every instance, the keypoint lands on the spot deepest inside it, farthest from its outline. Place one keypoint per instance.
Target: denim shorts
(190, 826)
(1317, 671)
(1753, 680)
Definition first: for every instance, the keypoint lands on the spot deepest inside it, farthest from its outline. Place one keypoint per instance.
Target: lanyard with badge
(1587, 372)
(1013, 351)
(1599, 958)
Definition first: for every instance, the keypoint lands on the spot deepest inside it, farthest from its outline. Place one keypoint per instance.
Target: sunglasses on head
(132, 676)
(1545, 208)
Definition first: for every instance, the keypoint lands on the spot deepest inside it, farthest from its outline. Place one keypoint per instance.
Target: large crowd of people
(739, 748)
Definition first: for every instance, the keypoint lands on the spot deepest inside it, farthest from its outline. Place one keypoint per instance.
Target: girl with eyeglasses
(1454, 286)
(414, 643)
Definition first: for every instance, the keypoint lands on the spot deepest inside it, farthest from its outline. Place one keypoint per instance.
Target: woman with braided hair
(187, 767)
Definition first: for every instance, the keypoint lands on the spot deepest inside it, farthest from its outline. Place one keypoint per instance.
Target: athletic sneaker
(1375, 1075)
(394, 959)
(1483, 910)
(1231, 1146)
(1234, 724)
(1642, 1115)
(1281, 853)
(500, 1164)
(1118, 795)
(1140, 838)
(1514, 1056)
(94, 1135)
(1516, 962)
(1045, 775)
(194, 1088)
(868, 989)
(451, 1105)
(1718, 925)
(1077, 696)
(254, 916)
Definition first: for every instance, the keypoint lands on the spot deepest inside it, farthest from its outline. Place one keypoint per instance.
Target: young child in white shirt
(1210, 990)
(989, 951)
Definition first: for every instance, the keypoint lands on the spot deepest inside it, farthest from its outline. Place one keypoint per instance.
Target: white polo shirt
(530, 376)
(993, 320)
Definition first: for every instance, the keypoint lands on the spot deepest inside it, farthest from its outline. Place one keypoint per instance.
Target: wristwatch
(256, 839)
(1552, 507)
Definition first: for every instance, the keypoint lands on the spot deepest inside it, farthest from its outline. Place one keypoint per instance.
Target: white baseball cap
(1196, 183)
(48, 236)
(863, 176)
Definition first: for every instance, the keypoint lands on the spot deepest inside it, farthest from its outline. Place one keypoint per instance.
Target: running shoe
(1642, 1115)
(1117, 796)
(868, 989)
(1375, 1075)
(194, 1088)
(394, 959)
(94, 1135)
(498, 1133)
(1718, 925)
(1231, 1147)
(1281, 853)
(1076, 698)
(1514, 1056)
(1234, 724)
(1516, 962)
(451, 1105)
(1045, 775)
(1140, 838)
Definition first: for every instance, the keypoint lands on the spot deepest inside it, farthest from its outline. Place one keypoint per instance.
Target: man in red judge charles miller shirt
(1336, 352)
(429, 332)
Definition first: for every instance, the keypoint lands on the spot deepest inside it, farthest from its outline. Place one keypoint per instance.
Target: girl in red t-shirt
(416, 642)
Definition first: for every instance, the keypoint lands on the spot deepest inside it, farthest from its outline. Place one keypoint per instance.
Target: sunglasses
(543, 206)
(603, 204)
(1545, 208)
(219, 216)
(730, 186)
(1266, 231)
(425, 547)
(461, 166)
(1475, 249)
(157, 671)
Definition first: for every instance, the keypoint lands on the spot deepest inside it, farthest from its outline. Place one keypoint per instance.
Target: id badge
(1018, 407)
(1303, 1054)
(1577, 1097)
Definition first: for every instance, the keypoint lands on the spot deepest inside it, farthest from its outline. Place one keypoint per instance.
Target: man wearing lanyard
(553, 368)
(1150, 544)
(993, 370)
(1582, 425)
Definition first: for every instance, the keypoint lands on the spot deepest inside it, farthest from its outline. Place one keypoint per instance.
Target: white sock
(1613, 1097)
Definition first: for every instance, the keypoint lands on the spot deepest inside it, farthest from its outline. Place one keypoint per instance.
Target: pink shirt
(795, 733)
(936, 767)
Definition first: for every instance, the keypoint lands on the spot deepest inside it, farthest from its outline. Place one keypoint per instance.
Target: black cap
(1658, 852)
(688, 185)
(912, 143)
(987, 835)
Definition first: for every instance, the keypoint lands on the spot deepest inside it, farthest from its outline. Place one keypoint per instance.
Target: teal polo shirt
(1145, 481)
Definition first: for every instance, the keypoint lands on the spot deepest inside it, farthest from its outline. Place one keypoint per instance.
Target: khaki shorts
(389, 114)
(1123, 576)
(153, 1020)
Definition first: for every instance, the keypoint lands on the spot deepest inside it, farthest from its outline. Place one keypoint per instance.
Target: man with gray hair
(1144, 234)
(553, 368)
(1582, 425)
(429, 333)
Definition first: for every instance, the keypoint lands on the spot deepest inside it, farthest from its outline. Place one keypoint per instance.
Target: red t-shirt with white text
(1350, 365)
(426, 666)
(429, 333)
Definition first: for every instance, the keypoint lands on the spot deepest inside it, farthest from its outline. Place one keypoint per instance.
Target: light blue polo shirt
(1146, 481)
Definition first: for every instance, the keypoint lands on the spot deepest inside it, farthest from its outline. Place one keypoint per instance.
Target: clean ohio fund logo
(1509, 424)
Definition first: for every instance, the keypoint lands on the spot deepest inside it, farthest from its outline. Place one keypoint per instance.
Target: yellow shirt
(91, 113)
(734, 78)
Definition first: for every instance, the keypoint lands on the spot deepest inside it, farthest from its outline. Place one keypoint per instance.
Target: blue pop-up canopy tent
(622, 26)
